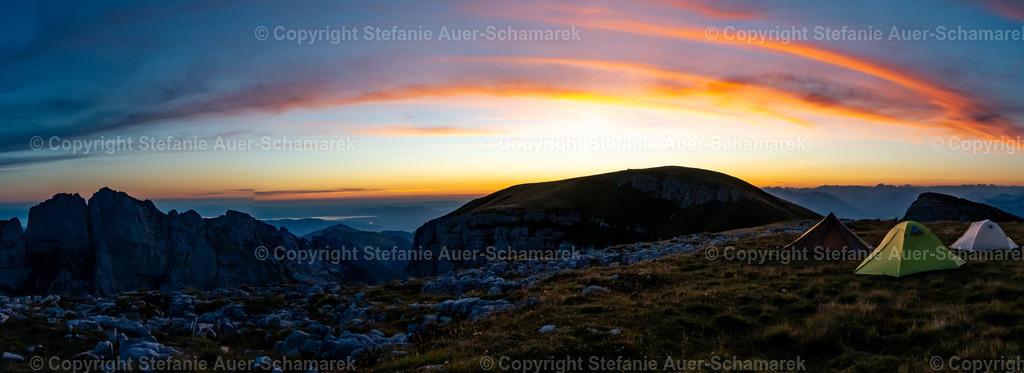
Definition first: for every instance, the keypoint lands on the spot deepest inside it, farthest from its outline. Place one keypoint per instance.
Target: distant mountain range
(374, 216)
(890, 201)
(618, 207)
(301, 227)
(304, 216)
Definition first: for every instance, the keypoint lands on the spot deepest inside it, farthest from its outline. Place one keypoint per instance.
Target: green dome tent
(908, 248)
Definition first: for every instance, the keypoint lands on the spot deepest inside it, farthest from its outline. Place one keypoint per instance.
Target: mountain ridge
(610, 208)
(118, 243)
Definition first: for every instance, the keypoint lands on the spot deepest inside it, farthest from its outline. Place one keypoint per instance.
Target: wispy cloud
(956, 110)
(309, 192)
(19, 159)
(1009, 9)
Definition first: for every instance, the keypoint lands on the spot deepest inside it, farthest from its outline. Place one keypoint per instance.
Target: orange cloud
(958, 105)
(741, 98)
(960, 112)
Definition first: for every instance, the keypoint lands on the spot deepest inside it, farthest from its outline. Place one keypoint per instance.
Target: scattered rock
(103, 350)
(475, 308)
(122, 325)
(290, 345)
(136, 349)
(83, 325)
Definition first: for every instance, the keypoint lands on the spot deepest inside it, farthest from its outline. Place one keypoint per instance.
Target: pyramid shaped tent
(829, 233)
(908, 248)
(984, 235)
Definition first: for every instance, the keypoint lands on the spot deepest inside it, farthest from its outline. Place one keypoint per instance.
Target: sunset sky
(646, 84)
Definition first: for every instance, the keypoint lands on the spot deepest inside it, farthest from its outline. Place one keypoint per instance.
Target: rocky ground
(361, 325)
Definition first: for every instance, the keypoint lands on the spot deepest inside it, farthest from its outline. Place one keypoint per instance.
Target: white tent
(984, 235)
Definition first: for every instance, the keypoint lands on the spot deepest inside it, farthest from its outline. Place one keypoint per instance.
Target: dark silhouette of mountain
(612, 208)
(117, 243)
(819, 202)
(13, 271)
(301, 227)
(340, 236)
(408, 236)
(940, 207)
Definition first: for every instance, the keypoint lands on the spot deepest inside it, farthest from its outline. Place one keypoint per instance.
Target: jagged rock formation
(117, 243)
(942, 207)
(619, 207)
(13, 272)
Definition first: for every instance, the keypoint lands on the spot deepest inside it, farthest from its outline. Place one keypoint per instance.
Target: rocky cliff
(117, 243)
(942, 207)
(618, 207)
(13, 271)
